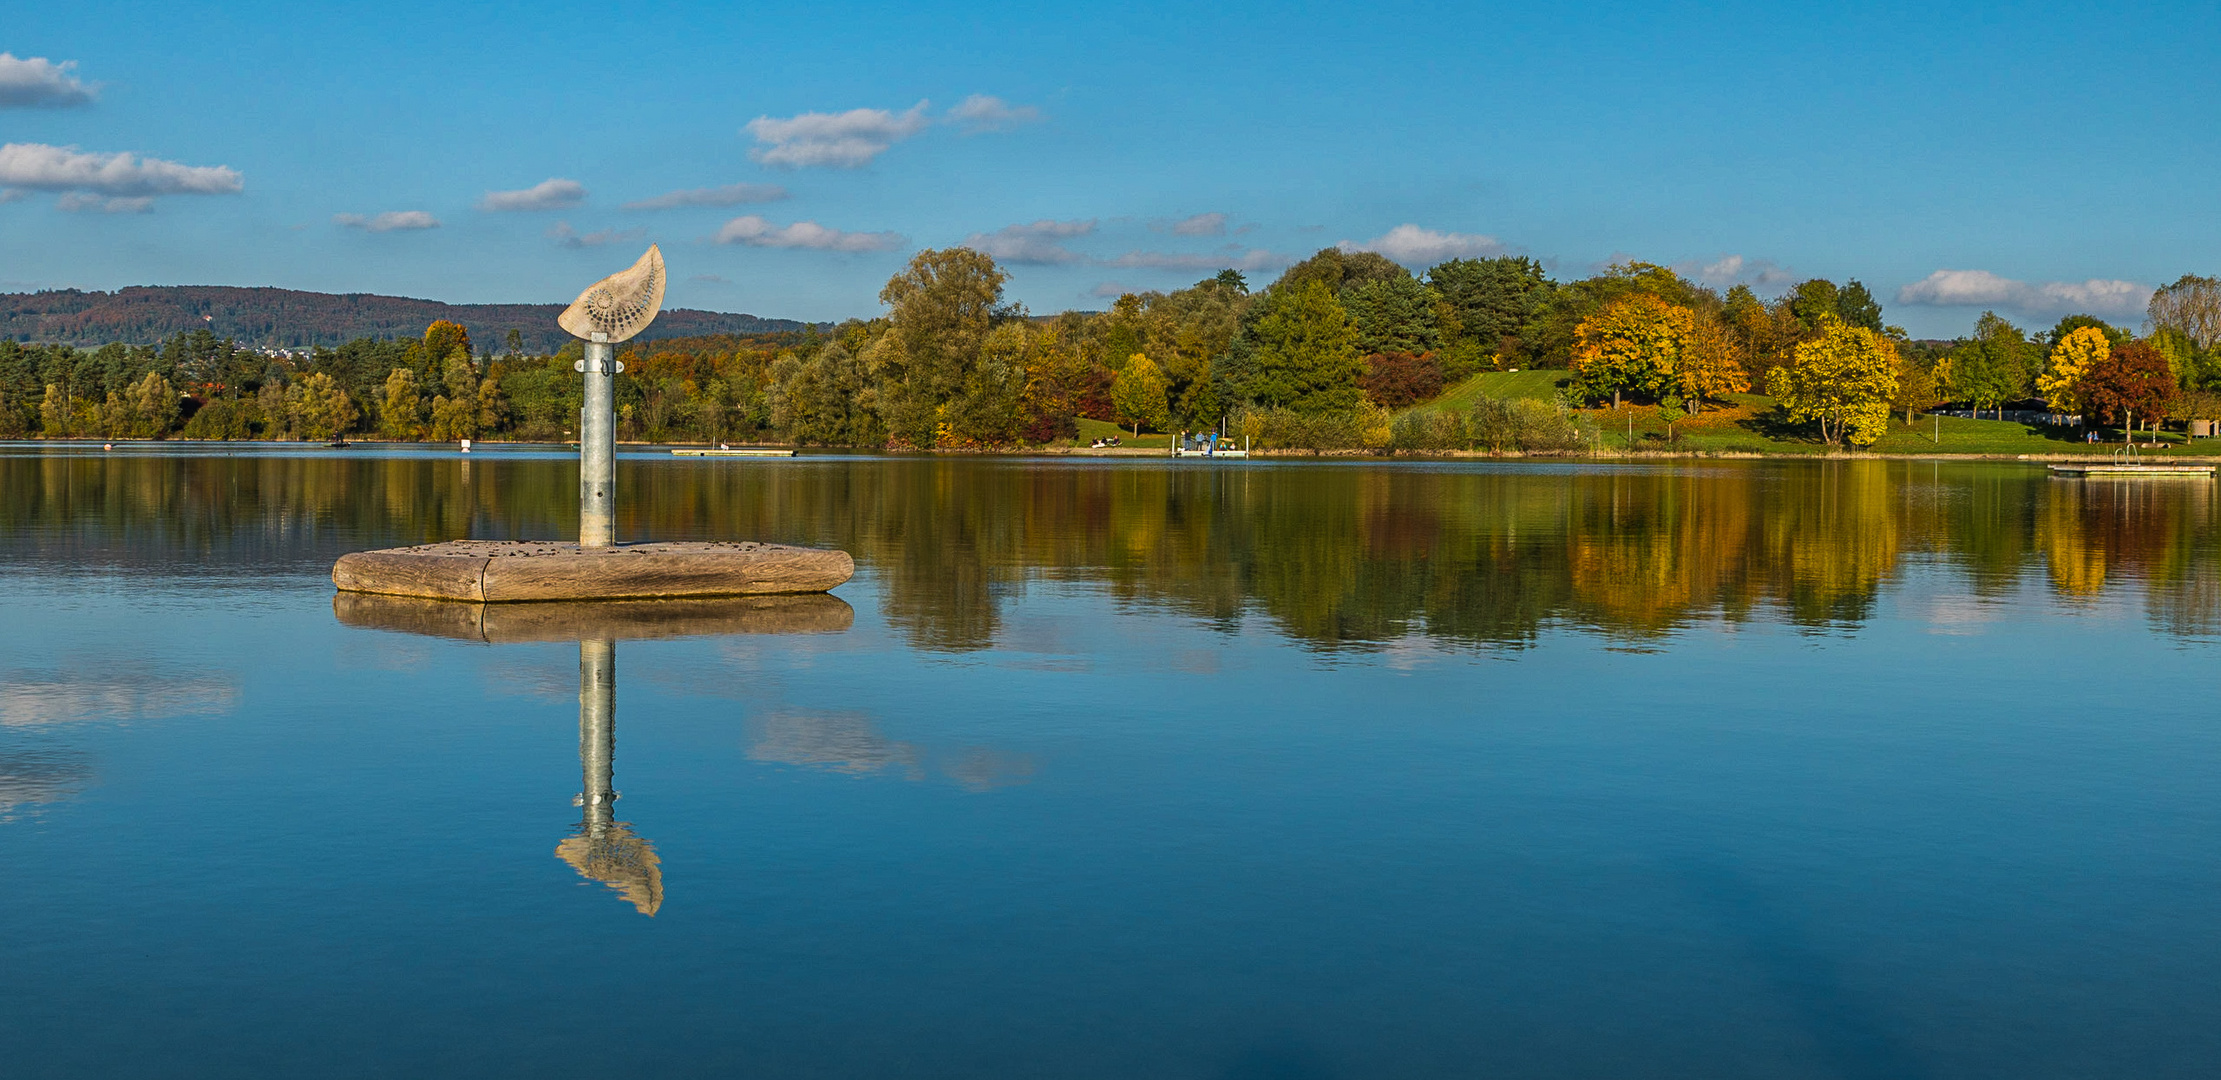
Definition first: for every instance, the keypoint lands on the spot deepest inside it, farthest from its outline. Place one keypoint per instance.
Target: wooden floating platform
(2109, 470)
(509, 571)
(743, 452)
(601, 620)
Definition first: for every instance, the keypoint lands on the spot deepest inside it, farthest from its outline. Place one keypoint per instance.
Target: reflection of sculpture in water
(605, 849)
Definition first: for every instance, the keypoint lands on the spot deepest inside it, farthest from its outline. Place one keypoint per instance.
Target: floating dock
(746, 451)
(2110, 470)
(498, 572)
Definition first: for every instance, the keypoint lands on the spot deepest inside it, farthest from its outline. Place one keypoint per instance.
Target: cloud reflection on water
(34, 698)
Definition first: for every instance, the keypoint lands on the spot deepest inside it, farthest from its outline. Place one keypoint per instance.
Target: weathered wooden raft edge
(467, 572)
(616, 620)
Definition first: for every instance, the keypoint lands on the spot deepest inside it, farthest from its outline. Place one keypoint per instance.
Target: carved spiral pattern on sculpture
(620, 305)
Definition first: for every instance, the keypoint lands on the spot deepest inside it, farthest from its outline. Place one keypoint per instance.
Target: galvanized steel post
(597, 447)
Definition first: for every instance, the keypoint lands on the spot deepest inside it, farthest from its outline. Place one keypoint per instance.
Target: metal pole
(597, 448)
(597, 732)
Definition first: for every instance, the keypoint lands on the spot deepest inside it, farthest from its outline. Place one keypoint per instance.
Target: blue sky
(2036, 159)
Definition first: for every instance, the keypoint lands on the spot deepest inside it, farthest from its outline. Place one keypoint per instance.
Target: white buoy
(466, 446)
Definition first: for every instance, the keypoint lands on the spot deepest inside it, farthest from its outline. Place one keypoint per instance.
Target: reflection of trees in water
(1334, 554)
(252, 514)
(2094, 533)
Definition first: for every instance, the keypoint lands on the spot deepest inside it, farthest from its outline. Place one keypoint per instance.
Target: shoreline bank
(2100, 451)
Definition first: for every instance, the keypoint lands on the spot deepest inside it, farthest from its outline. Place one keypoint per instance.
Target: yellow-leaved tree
(1843, 379)
(1711, 364)
(1138, 393)
(319, 408)
(401, 406)
(1632, 346)
(2071, 359)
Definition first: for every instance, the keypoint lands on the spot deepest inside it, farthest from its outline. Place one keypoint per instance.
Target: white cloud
(65, 168)
(79, 202)
(1039, 244)
(754, 231)
(981, 113)
(1213, 224)
(390, 221)
(1252, 260)
(728, 195)
(1417, 247)
(848, 140)
(1728, 270)
(563, 234)
(14, 194)
(39, 82)
(1109, 290)
(549, 194)
(1981, 288)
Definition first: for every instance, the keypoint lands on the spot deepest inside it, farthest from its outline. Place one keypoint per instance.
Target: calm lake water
(1117, 769)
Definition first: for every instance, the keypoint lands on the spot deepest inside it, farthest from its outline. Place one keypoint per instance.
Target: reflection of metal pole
(597, 732)
(603, 848)
(597, 447)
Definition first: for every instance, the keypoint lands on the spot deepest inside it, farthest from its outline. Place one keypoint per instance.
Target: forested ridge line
(265, 317)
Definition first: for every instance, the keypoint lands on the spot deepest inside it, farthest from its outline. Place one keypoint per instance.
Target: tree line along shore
(1345, 351)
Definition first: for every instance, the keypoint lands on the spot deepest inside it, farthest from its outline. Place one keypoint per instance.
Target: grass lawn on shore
(1091, 430)
(1745, 423)
(1539, 385)
(1750, 426)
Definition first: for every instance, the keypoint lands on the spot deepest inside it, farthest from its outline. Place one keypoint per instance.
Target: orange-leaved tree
(442, 339)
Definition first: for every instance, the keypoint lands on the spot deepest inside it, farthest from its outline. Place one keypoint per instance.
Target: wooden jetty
(745, 451)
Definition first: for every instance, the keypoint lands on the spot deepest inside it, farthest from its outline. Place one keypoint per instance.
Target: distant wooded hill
(286, 318)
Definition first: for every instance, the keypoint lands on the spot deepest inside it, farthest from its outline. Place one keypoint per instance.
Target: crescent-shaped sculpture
(620, 305)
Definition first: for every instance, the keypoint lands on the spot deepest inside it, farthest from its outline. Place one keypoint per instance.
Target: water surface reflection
(1341, 556)
(602, 848)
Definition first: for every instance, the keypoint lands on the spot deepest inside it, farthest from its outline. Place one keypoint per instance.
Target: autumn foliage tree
(2071, 359)
(154, 406)
(401, 405)
(318, 408)
(944, 303)
(1920, 385)
(1397, 379)
(1842, 380)
(1711, 365)
(443, 339)
(1633, 345)
(1059, 383)
(2129, 383)
(1138, 392)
